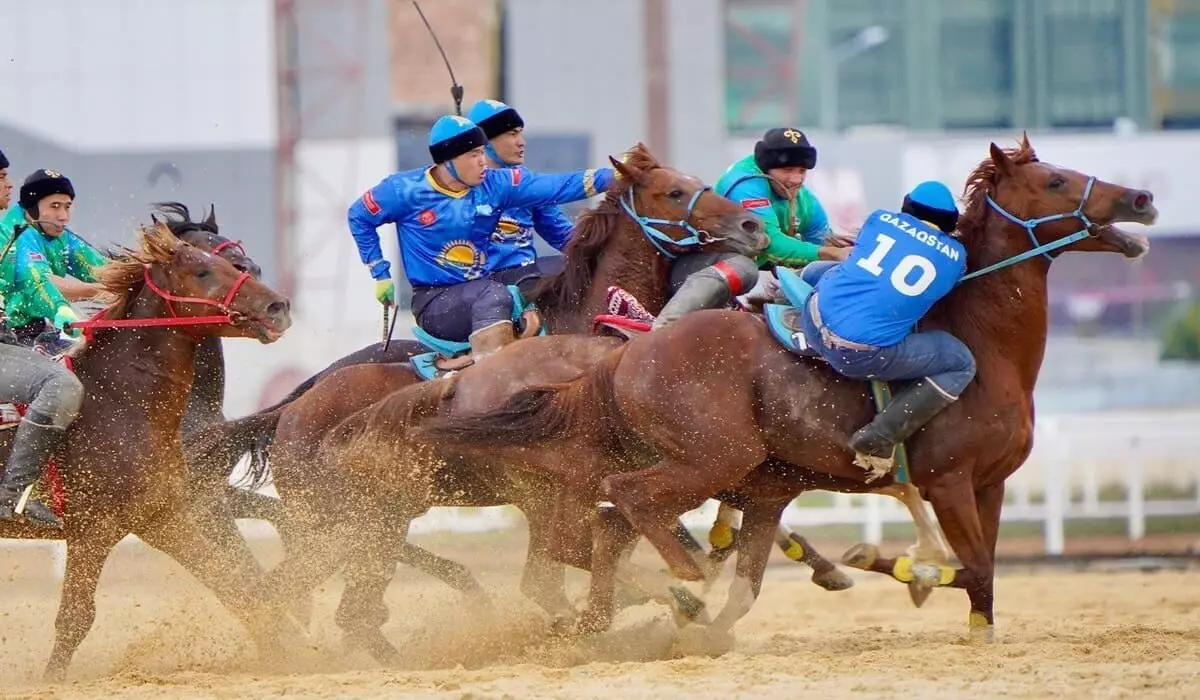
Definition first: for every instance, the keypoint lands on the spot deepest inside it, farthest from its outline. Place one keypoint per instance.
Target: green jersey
(796, 228)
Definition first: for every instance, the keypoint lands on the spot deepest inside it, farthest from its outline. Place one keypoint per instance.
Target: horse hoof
(919, 592)
(982, 635)
(861, 556)
(833, 579)
(688, 607)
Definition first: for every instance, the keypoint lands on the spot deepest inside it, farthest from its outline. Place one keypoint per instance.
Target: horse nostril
(1142, 200)
(277, 308)
(751, 225)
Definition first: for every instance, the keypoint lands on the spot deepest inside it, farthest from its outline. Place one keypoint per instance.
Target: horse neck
(1001, 316)
(151, 368)
(627, 261)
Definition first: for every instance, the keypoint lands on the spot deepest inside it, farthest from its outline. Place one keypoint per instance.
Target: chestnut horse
(609, 247)
(712, 406)
(122, 464)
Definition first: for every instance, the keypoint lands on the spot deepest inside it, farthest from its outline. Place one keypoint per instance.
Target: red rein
(175, 320)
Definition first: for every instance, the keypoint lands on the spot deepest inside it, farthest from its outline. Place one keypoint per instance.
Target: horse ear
(211, 218)
(1003, 163)
(628, 172)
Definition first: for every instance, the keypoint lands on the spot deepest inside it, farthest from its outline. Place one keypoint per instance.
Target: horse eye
(675, 194)
(1058, 183)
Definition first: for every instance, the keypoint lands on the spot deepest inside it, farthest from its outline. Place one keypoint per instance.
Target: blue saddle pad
(784, 324)
(423, 365)
(795, 289)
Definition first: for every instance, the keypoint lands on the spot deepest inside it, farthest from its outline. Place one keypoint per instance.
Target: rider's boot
(875, 443)
(489, 339)
(33, 446)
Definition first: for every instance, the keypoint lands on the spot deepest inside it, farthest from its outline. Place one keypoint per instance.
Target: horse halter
(698, 238)
(1039, 248)
(227, 314)
(229, 244)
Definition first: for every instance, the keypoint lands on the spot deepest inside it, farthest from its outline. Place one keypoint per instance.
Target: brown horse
(607, 248)
(713, 407)
(122, 464)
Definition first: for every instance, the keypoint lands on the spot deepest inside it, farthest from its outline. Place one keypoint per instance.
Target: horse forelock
(981, 183)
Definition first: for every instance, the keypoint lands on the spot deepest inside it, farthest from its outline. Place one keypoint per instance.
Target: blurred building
(283, 111)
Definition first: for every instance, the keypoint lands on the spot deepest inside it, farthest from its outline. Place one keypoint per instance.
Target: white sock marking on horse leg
(741, 598)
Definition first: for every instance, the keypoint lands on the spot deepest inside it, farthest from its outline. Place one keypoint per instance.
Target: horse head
(1037, 205)
(657, 197)
(167, 277)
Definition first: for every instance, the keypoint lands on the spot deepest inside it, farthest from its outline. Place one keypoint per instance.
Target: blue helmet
(932, 201)
(452, 136)
(494, 117)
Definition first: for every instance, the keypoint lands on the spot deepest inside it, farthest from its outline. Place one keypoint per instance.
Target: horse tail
(583, 405)
(225, 443)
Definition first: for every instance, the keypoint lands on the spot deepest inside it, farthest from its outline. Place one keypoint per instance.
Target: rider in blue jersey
(445, 215)
(862, 316)
(512, 250)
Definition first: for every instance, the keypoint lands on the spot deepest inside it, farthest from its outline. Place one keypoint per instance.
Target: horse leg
(722, 537)
(930, 547)
(231, 573)
(670, 486)
(956, 509)
(77, 606)
(612, 536)
(983, 593)
(759, 525)
(798, 549)
(544, 580)
(362, 611)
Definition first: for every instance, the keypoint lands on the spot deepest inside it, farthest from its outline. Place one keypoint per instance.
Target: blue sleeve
(511, 188)
(818, 225)
(553, 226)
(377, 206)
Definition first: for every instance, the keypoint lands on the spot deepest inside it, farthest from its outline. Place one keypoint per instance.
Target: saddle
(447, 356)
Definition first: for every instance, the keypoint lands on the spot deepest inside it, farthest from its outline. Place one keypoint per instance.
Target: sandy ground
(1060, 634)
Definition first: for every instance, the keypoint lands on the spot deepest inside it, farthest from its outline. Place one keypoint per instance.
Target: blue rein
(697, 238)
(1042, 249)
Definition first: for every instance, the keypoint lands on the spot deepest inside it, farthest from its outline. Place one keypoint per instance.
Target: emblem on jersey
(426, 217)
(510, 232)
(370, 203)
(755, 203)
(463, 256)
(516, 176)
(793, 135)
(484, 210)
(37, 257)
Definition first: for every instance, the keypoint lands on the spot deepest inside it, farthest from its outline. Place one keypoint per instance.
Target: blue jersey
(445, 236)
(512, 241)
(898, 268)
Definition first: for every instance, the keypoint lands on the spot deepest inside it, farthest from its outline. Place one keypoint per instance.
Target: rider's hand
(833, 253)
(841, 240)
(62, 317)
(385, 292)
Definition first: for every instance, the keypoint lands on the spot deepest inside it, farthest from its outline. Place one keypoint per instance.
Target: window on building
(761, 79)
(1084, 63)
(975, 63)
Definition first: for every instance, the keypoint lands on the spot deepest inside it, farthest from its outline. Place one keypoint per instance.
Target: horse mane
(179, 219)
(123, 278)
(983, 182)
(567, 290)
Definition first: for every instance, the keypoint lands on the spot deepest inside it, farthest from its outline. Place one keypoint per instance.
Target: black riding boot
(875, 443)
(34, 445)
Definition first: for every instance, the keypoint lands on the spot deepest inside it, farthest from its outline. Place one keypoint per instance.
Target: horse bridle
(698, 238)
(227, 316)
(1039, 248)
